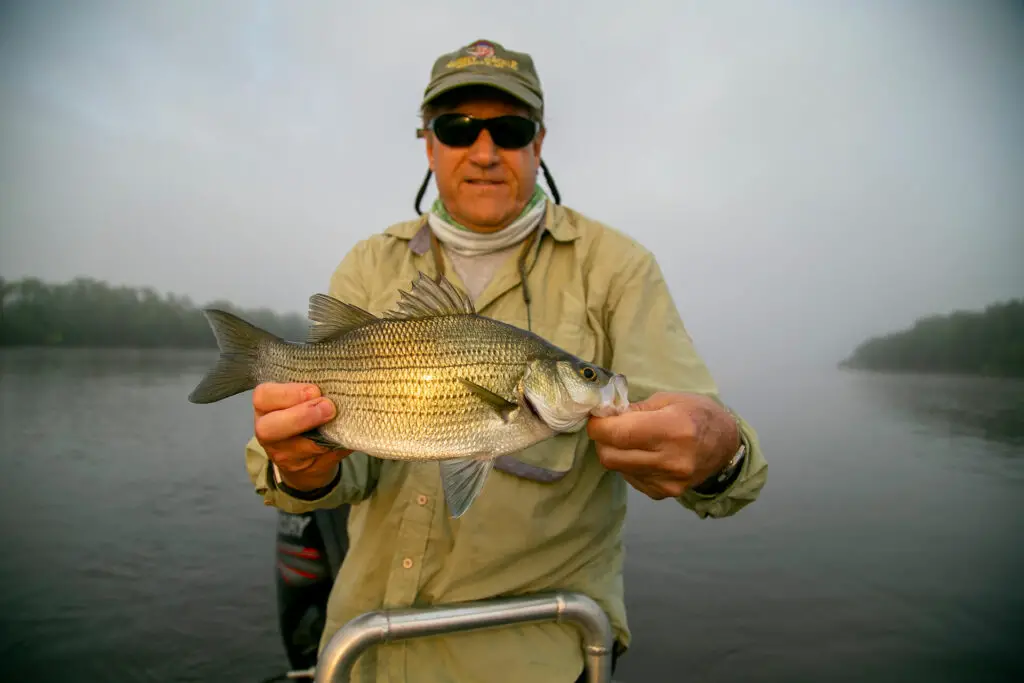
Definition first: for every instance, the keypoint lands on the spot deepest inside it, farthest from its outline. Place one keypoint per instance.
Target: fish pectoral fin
(462, 480)
(501, 405)
(333, 318)
(317, 437)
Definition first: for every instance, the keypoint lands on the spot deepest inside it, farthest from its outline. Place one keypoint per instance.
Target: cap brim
(460, 80)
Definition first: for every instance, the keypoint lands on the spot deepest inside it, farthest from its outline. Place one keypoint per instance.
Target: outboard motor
(310, 549)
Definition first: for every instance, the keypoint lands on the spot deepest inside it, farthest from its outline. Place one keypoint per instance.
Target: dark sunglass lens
(512, 132)
(455, 130)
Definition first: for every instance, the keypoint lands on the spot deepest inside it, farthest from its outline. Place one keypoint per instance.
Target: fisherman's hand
(282, 412)
(668, 443)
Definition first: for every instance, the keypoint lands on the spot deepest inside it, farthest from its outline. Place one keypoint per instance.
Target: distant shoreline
(986, 343)
(89, 313)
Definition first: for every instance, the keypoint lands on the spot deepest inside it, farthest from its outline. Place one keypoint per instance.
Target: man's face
(485, 187)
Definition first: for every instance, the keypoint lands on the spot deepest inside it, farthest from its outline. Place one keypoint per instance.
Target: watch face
(736, 460)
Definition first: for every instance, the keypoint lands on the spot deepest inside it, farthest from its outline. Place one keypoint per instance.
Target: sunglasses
(508, 132)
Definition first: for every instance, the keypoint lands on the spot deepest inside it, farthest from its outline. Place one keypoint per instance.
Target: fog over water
(808, 173)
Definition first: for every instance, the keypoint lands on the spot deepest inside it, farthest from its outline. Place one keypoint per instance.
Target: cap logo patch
(481, 53)
(481, 49)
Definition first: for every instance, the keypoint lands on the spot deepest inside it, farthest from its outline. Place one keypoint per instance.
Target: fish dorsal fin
(429, 299)
(333, 318)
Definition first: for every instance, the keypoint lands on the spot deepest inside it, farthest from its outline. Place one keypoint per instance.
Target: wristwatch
(722, 479)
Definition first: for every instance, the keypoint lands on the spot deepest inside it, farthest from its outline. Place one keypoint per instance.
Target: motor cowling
(309, 550)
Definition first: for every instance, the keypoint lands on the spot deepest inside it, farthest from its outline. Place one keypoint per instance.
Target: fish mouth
(614, 398)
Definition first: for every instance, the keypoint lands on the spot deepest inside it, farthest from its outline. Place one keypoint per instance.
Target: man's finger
(633, 430)
(664, 465)
(631, 461)
(284, 424)
(655, 401)
(645, 487)
(662, 399)
(270, 396)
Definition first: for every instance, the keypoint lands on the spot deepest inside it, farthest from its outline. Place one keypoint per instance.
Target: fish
(428, 380)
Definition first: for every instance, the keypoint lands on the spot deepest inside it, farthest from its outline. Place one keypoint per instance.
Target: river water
(888, 544)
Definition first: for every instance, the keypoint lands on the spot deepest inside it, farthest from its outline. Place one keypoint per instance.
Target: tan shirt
(554, 523)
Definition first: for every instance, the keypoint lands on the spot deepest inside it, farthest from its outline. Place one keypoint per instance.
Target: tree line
(86, 312)
(986, 342)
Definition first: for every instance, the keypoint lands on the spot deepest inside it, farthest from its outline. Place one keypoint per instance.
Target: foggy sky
(808, 173)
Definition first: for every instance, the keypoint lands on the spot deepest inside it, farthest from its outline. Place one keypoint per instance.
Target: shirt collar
(557, 223)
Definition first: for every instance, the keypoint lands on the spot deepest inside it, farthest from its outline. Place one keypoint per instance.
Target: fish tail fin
(239, 343)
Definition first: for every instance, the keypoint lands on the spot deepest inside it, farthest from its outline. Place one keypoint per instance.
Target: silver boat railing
(385, 626)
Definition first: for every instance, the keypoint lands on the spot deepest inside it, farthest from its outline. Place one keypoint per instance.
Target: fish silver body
(430, 380)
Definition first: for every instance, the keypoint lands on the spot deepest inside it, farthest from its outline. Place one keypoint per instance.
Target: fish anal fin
(501, 405)
(462, 480)
(429, 299)
(333, 318)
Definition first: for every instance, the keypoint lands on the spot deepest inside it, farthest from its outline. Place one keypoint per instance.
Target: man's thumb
(655, 401)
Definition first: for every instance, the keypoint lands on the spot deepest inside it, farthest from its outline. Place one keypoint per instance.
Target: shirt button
(421, 499)
(407, 563)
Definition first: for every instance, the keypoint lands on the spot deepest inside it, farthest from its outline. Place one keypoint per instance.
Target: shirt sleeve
(359, 472)
(652, 348)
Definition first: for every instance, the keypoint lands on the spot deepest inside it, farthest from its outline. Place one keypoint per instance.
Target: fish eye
(588, 373)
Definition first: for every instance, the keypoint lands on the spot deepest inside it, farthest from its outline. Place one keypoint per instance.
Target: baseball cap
(484, 62)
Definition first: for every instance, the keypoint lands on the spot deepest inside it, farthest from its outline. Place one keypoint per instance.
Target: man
(551, 517)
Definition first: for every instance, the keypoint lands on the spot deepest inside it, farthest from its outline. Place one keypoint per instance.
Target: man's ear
(429, 144)
(538, 144)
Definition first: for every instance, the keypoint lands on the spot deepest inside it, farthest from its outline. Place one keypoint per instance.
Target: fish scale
(429, 380)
